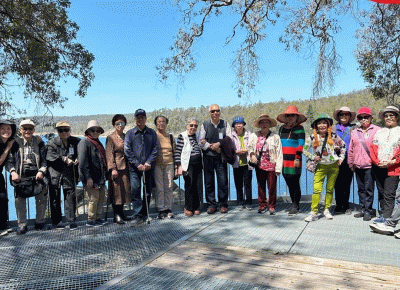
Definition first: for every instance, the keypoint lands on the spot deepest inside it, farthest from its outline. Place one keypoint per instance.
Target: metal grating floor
(117, 255)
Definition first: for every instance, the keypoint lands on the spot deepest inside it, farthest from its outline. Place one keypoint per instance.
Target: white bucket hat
(92, 124)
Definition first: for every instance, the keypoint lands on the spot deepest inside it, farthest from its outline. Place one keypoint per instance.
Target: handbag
(28, 187)
(252, 164)
(311, 165)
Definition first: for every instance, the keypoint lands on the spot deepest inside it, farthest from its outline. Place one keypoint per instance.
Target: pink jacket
(357, 155)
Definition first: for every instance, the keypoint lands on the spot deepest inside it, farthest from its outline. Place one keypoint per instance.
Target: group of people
(155, 159)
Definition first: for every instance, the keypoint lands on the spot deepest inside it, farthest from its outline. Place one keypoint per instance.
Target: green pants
(330, 172)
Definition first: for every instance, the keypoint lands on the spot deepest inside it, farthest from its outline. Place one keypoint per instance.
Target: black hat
(140, 112)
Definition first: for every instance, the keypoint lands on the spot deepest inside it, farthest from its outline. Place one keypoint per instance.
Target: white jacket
(274, 147)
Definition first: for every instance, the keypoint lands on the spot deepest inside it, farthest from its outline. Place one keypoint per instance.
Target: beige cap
(26, 122)
(92, 124)
(63, 124)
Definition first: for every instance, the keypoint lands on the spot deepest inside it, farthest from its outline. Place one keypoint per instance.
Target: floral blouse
(265, 160)
(331, 153)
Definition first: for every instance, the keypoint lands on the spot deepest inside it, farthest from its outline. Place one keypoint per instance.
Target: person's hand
(317, 158)
(15, 176)
(114, 174)
(180, 171)
(76, 161)
(241, 152)
(69, 162)
(213, 147)
(383, 164)
(218, 150)
(203, 141)
(39, 175)
(89, 183)
(339, 162)
(147, 166)
(297, 163)
(141, 167)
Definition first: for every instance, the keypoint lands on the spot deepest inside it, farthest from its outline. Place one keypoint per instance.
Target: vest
(213, 135)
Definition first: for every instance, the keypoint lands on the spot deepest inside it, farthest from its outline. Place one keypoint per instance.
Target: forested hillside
(178, 116)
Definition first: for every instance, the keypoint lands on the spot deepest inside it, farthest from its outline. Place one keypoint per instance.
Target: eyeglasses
(193, 125)
(122, 124)
(28, 128)
(214, 111)
(387, 116)
(63, 130)
(95, 131)
(344, 114)
(362, 118)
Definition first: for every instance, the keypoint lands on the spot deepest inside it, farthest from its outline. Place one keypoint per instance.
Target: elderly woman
(242, 172)
(92, 171)
(328, 151)
(7, 133)
(386, 161)
(265, 150)
(188, 160)
(359, 159)
(292, 138)
(344, 116)
(165, 169)
(119, 185)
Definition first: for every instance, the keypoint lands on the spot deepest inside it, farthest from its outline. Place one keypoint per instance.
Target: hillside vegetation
(178, 116)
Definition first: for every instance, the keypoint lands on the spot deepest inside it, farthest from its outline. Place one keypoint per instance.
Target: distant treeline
(177, 117)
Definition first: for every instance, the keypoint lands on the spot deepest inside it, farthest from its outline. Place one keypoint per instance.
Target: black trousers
(342, 187)
(193, 186)
(293, 183)
(242, 176)
(69, 201)
(3, 203)
(387, 185)
(365, 184)
(214, 164)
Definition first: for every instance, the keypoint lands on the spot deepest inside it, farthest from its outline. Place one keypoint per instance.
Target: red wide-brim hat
(291, 110)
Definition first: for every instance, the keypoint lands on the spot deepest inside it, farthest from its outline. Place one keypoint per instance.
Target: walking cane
(145, 196)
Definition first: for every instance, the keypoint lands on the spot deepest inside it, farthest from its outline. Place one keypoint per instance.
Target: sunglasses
(291, 115)
(215, 111)
(95, 131)
(193, 125)
(63, 130)
(28, 128)
(344, 114)
(363, 118)
(122, 124)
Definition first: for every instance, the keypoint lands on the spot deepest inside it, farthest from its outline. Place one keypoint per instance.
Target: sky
(129, 39)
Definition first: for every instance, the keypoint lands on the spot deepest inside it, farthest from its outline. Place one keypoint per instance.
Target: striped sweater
(195, 155)
(292, 146)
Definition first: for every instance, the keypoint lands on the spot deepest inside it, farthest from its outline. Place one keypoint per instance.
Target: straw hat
(392, 109)
(264, 117)
(63, 124)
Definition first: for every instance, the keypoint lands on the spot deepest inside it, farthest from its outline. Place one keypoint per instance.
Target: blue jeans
(139, 205)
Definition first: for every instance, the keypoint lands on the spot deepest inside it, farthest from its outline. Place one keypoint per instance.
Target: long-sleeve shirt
(141, 147)
(292, 147)
(358, 156)
(331, 154)
(386, 147)
(195, 153)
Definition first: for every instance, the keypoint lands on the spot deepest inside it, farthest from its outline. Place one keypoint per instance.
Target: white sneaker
(327, 214)
(312, 216)
(382, 228)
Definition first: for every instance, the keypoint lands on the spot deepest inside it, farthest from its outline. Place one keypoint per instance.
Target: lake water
(306, 183)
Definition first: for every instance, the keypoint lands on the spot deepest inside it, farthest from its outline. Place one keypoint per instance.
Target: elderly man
(211, 133)
(28, 161)
(140, 148)
(62, 160)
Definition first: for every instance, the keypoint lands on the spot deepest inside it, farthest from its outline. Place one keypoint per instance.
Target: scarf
(99, 147)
